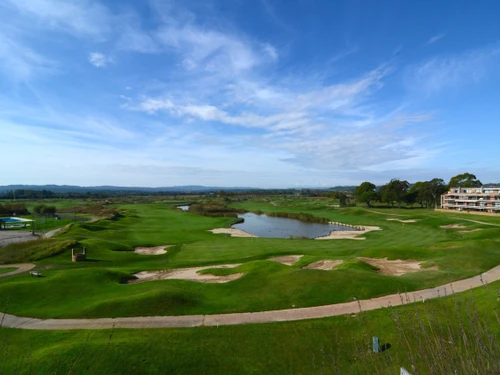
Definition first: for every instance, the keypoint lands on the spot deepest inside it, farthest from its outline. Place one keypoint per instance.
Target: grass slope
(96, 288)
(459, 333)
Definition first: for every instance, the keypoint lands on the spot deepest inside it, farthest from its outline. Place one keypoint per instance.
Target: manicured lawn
(94, 288)
(420, 335)
(8, 269)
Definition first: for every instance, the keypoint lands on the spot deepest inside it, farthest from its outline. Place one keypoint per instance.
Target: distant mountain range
(84, 189)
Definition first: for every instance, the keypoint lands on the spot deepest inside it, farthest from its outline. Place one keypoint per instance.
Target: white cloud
(324, 128)
(271, 51)
(99, 60)
(210, 50)
(19, 62)
(434, 39)
(440, 72)
(80, 17)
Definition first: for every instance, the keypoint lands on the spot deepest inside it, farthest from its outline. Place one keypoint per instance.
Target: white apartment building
(485, 199)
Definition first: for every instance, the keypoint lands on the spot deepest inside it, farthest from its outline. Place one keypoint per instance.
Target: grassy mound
(34, 250)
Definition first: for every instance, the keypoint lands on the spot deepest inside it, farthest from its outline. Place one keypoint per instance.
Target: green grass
(435, 330)
(34, 250)
(335, 345)
(265, 285)
(7, 269)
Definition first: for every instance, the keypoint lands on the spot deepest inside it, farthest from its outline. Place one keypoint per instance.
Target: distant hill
(85, 189)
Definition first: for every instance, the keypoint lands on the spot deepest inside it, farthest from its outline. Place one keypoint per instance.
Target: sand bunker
(396, 267)
(326, 265)
(348, 234)
(188, 274)
(158, 250)
(232, 231)
(469, 231)
(287, 260)
(453, 226)
(404, 221)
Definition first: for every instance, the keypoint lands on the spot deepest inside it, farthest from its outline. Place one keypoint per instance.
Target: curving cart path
(24, 267)
(12, 321)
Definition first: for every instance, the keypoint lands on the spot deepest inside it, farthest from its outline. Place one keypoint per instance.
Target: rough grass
(33, 250)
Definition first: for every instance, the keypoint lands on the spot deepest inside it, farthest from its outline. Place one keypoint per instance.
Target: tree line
(425, 193)
(18, 209)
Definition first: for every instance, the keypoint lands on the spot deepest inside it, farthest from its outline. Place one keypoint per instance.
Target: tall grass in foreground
(454, 335)
(443, 336)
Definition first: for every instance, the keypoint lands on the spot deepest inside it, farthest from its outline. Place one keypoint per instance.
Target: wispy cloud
(22, 63)
(80, 17)
(314, 128)
(435, 39)
(440, 72)
(99, 59)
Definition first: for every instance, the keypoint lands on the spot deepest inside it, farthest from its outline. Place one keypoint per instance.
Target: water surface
(278, 227)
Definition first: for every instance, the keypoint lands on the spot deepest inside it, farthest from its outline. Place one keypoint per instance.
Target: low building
(485, 199)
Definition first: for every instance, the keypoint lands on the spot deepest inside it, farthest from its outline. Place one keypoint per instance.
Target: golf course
(147, 258)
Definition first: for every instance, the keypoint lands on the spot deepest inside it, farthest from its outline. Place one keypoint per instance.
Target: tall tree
(465, 180)
(365, 193)
(396, 191)
(437, 187)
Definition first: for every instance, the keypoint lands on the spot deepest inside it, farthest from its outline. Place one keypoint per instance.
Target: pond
(183, 208)
(277, 227)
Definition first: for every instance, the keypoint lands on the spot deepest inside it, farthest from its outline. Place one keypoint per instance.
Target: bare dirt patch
(453, 226)
(326, 265)
(403, 221)
(8, 237)
(287, 260)
(232, 231)
(396, 267)
(157, 250)
(191, 274)
(348, 234)
(469, 231)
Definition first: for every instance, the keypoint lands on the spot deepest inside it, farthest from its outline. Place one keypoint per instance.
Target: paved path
(25, 267)
(12, 321)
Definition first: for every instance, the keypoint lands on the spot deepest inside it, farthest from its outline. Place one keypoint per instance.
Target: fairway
(106, 287)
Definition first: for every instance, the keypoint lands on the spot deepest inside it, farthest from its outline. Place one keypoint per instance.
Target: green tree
(464, 180)
(365, 193)
(343, 199)
(43, 210)
(436, 187)
(396, 191)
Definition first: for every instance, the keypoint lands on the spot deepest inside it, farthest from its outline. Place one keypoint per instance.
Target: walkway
(12, 321)
(25, 267)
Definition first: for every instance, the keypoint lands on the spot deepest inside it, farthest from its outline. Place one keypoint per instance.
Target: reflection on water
(183, 208)
(277, 227)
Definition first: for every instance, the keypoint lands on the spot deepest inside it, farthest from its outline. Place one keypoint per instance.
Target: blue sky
(262, 93)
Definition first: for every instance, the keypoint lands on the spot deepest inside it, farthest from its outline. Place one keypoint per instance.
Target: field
(448, 246)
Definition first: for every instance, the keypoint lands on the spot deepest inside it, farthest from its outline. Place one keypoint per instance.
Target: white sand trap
(396, 267)
(453, 226)
(188, 274)
(287, 260)
(326, 265)
(348, 234)
(469, 231)
(403, 221)
(232, 231)
(158, 250)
